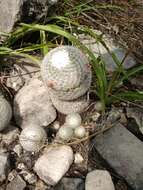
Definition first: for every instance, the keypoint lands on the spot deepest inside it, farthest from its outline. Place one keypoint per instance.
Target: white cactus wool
(66, 71)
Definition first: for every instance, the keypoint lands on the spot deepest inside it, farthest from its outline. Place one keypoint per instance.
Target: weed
(107, 89)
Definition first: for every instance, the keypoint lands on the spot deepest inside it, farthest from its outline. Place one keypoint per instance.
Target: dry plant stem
(90, 136)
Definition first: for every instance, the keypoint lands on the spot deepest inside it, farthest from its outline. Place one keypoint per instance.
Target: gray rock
(137, 81)
(32, 105)
(28, 176)
(10, 134)
(99, 180)
(18, 149)
(70, 184)
(40, 185)
(21, 73)
(137, 114)
(54, 163)
(99, 50)
(12, 12)
(4, 164)
(124, 152)
(17, 184)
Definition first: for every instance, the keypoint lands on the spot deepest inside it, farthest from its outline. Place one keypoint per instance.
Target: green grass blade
(43, 39)
(127, 96)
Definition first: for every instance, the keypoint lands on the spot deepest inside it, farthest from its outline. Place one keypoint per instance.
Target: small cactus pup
(65, 133)
(73, 120)
(80, 132)
(66, 72)
(5, 113)
(32, 138)
(67, 107)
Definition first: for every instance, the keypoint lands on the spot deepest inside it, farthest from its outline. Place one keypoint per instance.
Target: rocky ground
(108, 157)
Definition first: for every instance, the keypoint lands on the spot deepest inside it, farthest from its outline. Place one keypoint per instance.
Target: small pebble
(56, 125)
(78, 159)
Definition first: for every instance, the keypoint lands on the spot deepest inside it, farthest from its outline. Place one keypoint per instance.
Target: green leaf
(126, 96)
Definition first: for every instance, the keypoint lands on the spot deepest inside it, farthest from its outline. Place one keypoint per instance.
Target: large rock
(124, 152)
(12, 12)
(54, 163)
(70, 184)
(32, 105)
(99, 180)
(21, 72)
(9, 135)
(99, 50)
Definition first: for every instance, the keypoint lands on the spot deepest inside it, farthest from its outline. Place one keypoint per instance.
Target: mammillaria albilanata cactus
(67, 107)
(5, 113)
(66, 72)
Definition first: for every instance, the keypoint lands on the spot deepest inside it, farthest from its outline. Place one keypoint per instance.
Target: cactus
(67, 107)
(66, 72)
(5, 113)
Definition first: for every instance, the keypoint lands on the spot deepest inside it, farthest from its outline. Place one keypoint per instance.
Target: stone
(17, 184)
(29, 177)
(18, 149)
(99, 50)
(40, 185)
(137, 114)
(54, 163)
(16, 11)
(70, 184)
(99, 180)
(78, 158)
(123, 152)
(4, 164)
(32, 105)
(137, 81)
(21, 73)
(10, 135)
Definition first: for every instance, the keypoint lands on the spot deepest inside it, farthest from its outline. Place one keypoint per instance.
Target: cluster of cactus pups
(66, 72)
(66, 77)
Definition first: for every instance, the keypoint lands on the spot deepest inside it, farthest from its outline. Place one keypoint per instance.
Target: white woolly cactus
(66, 71)
(5, 113)
(67, 107)
(32, 138)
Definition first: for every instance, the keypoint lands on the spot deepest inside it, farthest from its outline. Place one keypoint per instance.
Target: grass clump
(51, 35)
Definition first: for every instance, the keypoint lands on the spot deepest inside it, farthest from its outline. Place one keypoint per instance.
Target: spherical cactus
(65, 133)
(67, 107)
(5, 113)
(73, 120)
(32, 104)
(80, 132)
(32, 138)
(66, 71)
(74, 93)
